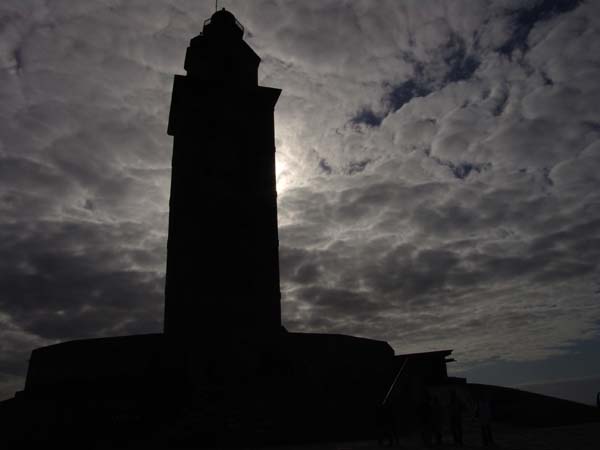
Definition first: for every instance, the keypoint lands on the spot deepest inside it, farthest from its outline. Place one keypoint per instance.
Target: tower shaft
(222, 251)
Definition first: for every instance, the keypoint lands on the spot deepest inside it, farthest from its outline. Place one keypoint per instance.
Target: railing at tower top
(392, 387)
(238, 24)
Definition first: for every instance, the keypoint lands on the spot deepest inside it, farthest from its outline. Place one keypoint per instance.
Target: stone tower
(222, 252)
(224, 373)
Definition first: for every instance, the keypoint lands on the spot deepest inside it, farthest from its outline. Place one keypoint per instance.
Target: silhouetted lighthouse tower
(222, 252)
(224, 372)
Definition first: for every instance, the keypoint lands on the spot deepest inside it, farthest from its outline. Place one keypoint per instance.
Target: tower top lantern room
(220, 55)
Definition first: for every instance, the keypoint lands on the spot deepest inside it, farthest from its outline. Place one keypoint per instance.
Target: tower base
(298, 387)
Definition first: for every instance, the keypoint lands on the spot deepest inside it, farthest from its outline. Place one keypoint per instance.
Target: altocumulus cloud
(438, 169)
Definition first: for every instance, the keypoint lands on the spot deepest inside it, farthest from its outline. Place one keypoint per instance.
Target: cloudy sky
(438, 173)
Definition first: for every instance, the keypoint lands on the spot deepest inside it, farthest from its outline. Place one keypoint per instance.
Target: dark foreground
(507, 437)
(584, 436)
(520, 421)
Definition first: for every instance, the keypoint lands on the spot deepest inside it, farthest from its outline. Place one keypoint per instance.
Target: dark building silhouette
(225, 369)
(222, 259)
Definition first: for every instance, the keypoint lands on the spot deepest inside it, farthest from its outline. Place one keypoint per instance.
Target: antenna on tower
(216, 5)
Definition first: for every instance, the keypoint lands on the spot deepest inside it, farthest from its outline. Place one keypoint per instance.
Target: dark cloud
(461, 66)
(70, 280)
(325, 167)
(358, 166)
(462, 170)
(458, 66)
(367, 117)
(525, 18)
(405, 92)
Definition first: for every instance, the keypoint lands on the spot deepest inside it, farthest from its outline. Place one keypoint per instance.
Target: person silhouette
(386, 425)
(436, 420)
(425, 416)
(484, 413)
(456, 410)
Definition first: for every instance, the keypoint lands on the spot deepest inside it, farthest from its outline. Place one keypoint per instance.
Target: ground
(572, 437)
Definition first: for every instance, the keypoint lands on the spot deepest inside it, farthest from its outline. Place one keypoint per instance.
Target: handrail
(389, 392)
(237, 23)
